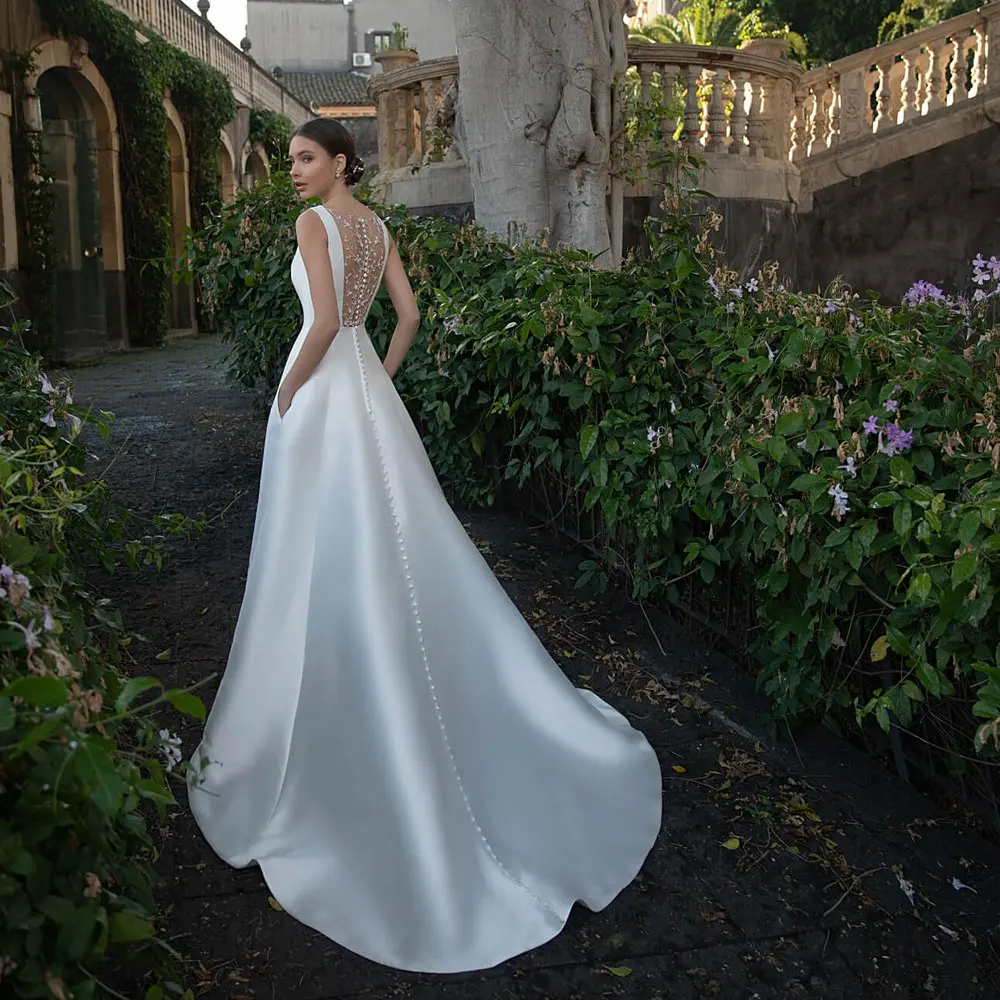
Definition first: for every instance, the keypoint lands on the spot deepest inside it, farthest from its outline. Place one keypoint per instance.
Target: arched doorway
(69, 144)
(76, 117)
(181, 293)
(256, 168)
(227, 168)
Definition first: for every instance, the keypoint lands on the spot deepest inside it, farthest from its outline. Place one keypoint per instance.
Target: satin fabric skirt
(391, 743)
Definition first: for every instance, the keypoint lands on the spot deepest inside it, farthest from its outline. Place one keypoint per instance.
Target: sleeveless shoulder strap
(335, 246)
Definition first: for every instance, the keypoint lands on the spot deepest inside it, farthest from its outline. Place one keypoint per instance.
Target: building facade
(322, 35)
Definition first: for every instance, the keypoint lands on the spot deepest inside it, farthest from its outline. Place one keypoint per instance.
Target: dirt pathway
(771, 878)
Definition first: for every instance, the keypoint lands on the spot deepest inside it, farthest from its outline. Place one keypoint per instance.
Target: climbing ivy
(138, 72)
(205, 102)
(273, 131)
(35, 202)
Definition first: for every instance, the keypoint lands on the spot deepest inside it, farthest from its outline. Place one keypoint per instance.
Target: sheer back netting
(363, 240)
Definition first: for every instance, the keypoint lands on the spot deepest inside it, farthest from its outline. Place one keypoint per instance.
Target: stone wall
(924, 217)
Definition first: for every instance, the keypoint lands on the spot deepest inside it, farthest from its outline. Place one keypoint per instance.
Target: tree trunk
(535, 114)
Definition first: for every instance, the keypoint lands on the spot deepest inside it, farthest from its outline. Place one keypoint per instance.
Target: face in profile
(312, 168)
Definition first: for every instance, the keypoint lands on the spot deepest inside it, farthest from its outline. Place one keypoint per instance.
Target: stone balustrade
(410, 103)
(735, 101)
(181, 26)
(882, 89)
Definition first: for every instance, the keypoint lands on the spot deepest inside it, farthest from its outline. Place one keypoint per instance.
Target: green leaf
(963, 567)
(930, 677)
(804, 482)
(588, 438)
(790, 423)
(968, 527)
(97, 770)
(902, 518)
(901, 470)
(880, 649)
(126, 927)
(886, 499)
(619, 970)
(837, 537)
(920, 587)
(43, 692)
(8, 716)
(188, 703)
(132, 689)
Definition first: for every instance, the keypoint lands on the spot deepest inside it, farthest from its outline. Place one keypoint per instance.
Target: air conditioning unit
(362, 59)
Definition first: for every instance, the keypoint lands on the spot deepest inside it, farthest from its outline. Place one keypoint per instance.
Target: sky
(229, 16)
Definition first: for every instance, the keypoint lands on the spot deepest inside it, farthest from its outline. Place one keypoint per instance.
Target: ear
(339, 164)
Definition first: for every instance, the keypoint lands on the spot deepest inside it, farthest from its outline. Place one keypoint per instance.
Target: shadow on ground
(774, 876)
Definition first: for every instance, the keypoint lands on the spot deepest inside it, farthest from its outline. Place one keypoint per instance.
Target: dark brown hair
(337, 141)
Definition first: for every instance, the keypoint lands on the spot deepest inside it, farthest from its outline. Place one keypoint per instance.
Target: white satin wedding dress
(415, 776)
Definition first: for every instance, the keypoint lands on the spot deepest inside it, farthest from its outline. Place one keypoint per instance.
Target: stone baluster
(430, 99)
(716, 114)
(668, 82)
(645, 82)
(978, 62)
(883, 106)
(738, 122)
(800, 134)
(936, 88)
(960, 68)
(692, 108)
(831, 116)
(909, 107)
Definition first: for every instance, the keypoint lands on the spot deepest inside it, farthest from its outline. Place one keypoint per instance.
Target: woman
(390, 742)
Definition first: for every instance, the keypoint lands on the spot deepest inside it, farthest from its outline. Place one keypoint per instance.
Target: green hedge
(840, 453)
(80, 762)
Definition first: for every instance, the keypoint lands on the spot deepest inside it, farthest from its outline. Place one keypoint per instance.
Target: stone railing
(412, 101)
(181, 26)
(733, 100)
(881, 89)
(410, 104)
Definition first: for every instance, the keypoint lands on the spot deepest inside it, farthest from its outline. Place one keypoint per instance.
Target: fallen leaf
(619, 970)
(165, 655)
(733, 844)
(679, 769)
(274, 904)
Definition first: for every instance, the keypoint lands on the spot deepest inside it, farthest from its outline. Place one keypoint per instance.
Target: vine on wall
(34, 206)
(272, 130)
(137, 74)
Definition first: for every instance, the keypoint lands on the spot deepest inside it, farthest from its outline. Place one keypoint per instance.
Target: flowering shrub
(840, 454)
(80, 763)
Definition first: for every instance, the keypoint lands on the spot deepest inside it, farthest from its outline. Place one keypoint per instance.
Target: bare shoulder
(309, 226)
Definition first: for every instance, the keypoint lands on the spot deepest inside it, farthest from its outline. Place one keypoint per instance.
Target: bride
(415, 776)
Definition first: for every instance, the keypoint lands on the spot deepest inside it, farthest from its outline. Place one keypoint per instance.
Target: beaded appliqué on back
(363, 242)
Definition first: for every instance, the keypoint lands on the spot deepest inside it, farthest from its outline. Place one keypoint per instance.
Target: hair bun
(355, 170)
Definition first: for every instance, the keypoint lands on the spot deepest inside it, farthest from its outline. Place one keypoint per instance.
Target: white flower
(850, 467)
(803, 444)
(839, 494)
(782, 511)
(730, 307)
(673, 407)
(47, 387)
(170, 748)
(770, 353)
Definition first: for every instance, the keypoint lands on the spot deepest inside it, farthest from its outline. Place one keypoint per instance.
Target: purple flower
(49, 418)
(753, 285)
(896, 440)
(870, 426)
(730, 307)
(738, 292)
(30, 639)
(831, 307)
(850, 467)
(69, 398)
(47, 386)
(714, 285)
(839, 494)
(891, 405)
(47, 623)
(924, 291)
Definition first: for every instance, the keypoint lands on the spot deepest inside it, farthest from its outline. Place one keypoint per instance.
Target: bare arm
(408, 315)
(315, 252)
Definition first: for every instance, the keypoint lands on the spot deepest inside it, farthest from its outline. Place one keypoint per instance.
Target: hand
(286, 394)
